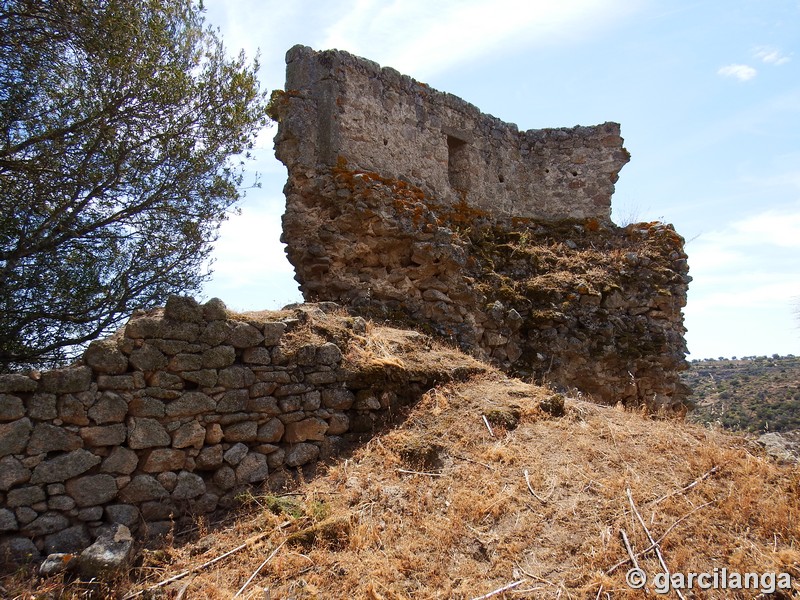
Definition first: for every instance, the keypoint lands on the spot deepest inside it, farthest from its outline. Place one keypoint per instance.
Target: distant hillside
(755, 393)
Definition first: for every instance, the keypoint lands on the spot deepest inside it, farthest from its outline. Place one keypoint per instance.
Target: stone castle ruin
(411, 205)
(405, 205)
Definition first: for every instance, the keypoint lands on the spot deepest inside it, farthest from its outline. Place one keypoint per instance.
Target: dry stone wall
(408, 204)
(175, 415)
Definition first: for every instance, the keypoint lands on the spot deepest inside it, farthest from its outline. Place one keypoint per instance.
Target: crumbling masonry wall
(409, 204)
(179, 412)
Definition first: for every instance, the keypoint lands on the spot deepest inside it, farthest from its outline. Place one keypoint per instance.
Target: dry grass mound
(492, 484)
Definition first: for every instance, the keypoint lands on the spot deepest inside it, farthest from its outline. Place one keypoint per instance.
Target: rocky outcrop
(183, 409)
(408, 204)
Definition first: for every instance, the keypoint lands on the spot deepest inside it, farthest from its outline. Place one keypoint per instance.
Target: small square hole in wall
(458, 163)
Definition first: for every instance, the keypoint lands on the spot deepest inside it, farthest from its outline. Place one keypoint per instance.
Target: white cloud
(422, 37)
(771, 56)
(771, 228)
(250, 269)
(750, 263)
(740, 72)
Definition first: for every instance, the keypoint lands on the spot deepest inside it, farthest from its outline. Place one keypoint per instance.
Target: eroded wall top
(338, 107)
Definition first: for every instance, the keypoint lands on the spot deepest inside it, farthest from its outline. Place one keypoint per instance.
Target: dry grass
(439, 507)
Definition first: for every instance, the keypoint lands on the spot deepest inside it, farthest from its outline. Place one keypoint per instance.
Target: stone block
(271, 431)
(14, 436)
(301, 454)
(50, 522)
(219, 357)
(246, 431)
(233, 401)
(215, 310)
(109, 408)
(274, 377)
(256, 356)
(236, 377)
(163, 459)
(252, 469)
(8, 521)
(130, 382)
(185, 362)
(321, 377)
(104, 435)
(165, 381)
(105, 357)
(147, 358)
(146, 406)
(338, 423)
(183, 309)
(92, 490)
(244, 335)
(329, 354)
(275, 459)
(71, 410)
(312, 428)
(144, 432)
(235, 454)
(66, 381)
(225, 477)
(18, 550)
(126, 514)
(110, 554)
(273, 332)
(266, 405)
(210, 458)
(290, 404)
(214, 433)
(15, 383)
(11, 408)
(49, 438)
(311, 401)
(189, 434)
(61, 503)
(189, 485)
(25, 496)
(64, 467)
(190, 405)
(338, 398)
(205, 378)
(42, 407)
(12, 473)
(142, 488)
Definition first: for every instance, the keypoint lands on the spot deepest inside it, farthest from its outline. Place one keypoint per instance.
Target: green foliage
(119, 121)
(749, 394)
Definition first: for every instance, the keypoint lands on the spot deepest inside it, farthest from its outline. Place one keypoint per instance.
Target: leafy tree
(119, 124)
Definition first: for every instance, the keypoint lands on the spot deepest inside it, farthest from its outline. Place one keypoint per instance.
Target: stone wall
(341, 107)
(180, 411)
(513, 257)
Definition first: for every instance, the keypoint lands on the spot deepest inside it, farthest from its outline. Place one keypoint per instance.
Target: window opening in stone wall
(458, 163)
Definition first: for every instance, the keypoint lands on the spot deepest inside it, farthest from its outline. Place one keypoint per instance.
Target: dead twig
(536, 577)
(208, 563)
(489, 427)
(505, 588)
(459, 457)
(628, 548)
(703, 477)
(652, 541)
(261, 566)
(659, 540)
(408, 472)
(535, 495)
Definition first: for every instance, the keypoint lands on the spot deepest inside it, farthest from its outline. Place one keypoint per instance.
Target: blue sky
(707, 92)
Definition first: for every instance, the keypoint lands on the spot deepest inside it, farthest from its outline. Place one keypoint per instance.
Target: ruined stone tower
(411, 205)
